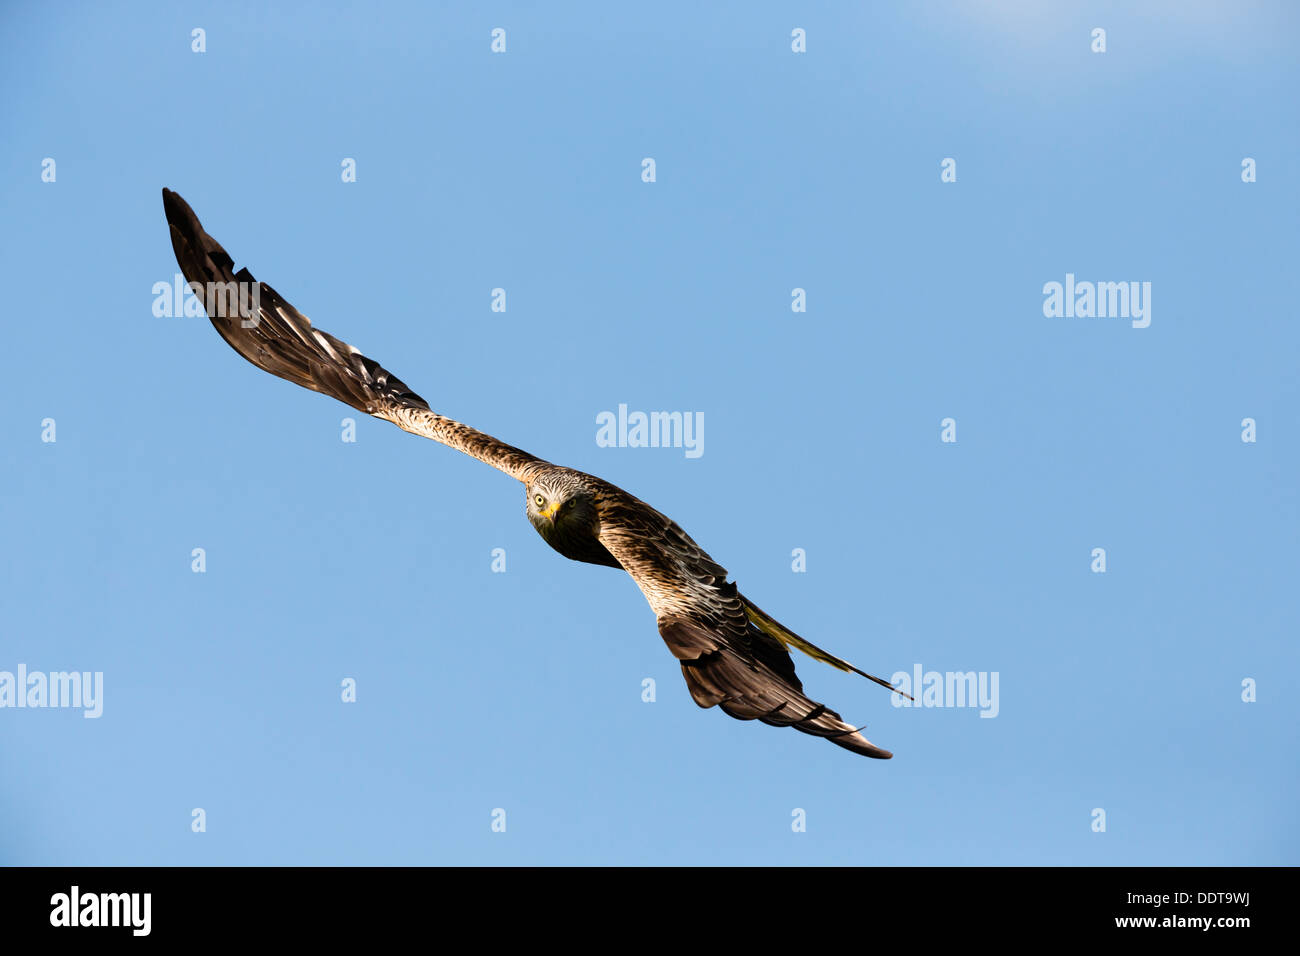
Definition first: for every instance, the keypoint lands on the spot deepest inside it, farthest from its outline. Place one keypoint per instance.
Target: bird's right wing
(726, 660)
(264, 328)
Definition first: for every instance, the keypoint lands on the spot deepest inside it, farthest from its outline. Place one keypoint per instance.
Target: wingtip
(173, 205)
(879, 753)
(861, 745)
(179, 213)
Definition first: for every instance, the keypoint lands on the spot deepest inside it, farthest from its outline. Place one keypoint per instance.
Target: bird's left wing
(726, 659)
(264, 328)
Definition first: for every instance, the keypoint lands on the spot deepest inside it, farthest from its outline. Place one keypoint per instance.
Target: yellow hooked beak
(553, 507)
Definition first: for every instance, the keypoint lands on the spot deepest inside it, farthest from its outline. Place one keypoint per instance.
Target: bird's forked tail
(775, 629)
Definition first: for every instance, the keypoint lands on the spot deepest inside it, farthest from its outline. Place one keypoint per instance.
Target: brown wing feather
(279, 339)
(727, 661)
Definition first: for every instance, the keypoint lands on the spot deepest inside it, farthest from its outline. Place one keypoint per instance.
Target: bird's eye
(539, 500)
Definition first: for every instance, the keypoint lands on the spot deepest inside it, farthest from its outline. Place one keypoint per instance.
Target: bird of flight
(732, 654)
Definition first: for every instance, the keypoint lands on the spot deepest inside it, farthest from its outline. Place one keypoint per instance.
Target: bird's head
(556, 499)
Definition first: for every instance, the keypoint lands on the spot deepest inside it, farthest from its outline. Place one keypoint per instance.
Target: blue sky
(775, 170)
